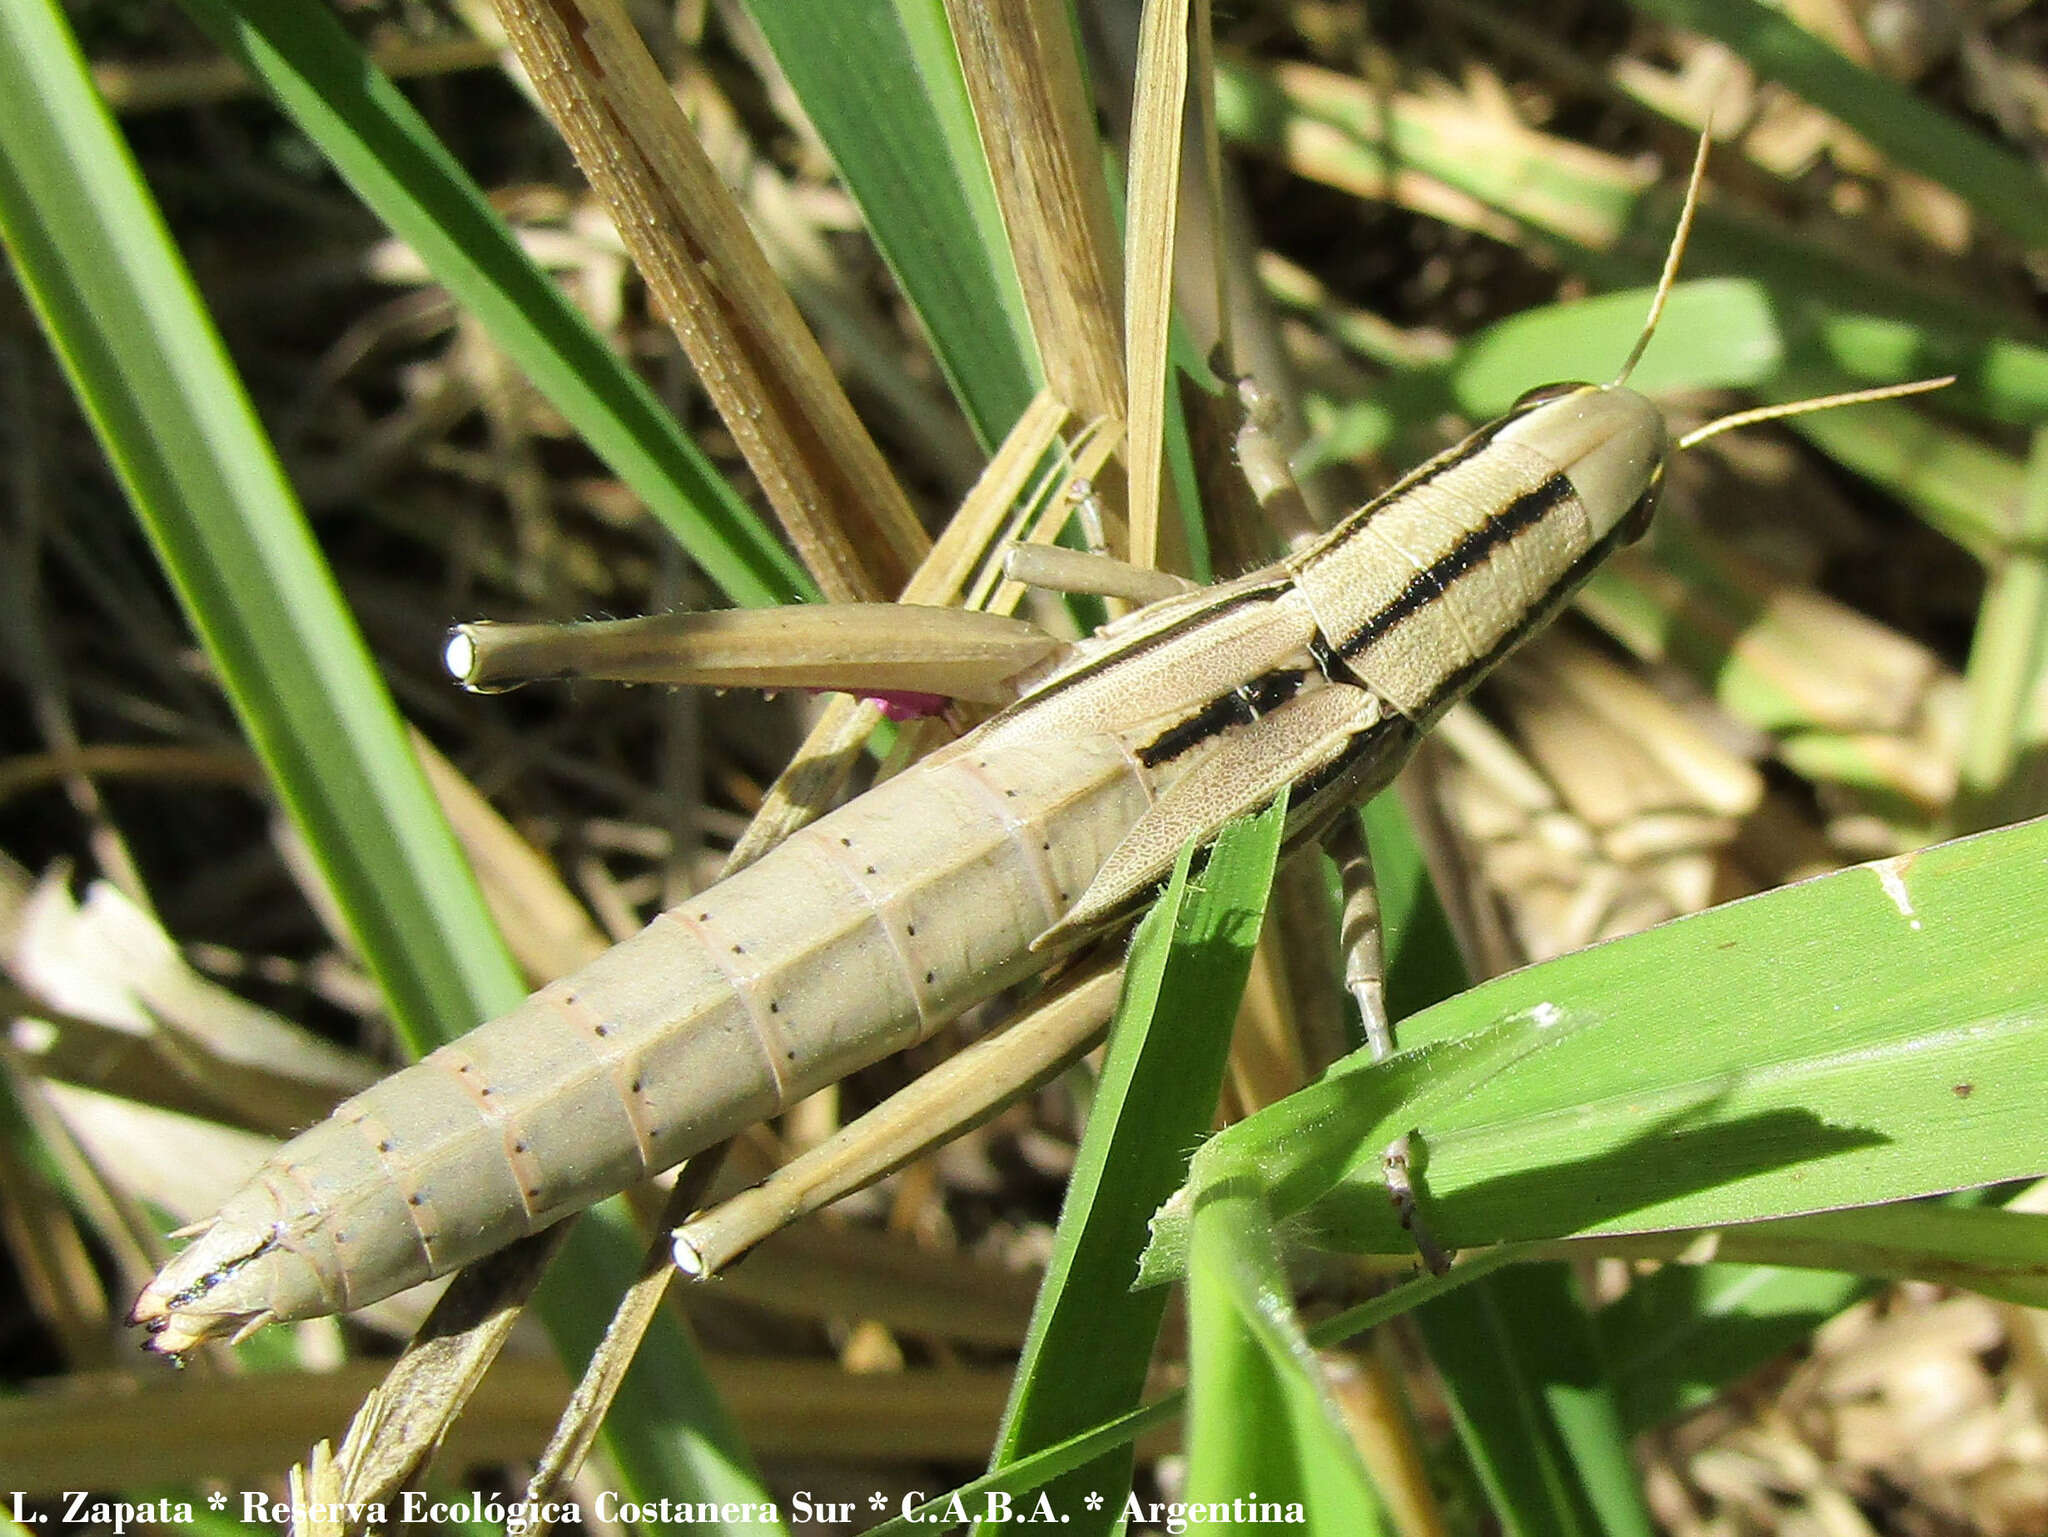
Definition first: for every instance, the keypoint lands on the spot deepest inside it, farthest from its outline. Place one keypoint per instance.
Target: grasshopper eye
(1543, 394)
(1637, 521)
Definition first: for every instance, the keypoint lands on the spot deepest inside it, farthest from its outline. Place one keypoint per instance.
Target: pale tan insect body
(958, 878)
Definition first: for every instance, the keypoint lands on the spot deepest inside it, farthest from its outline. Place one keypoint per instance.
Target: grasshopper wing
(1245, 768)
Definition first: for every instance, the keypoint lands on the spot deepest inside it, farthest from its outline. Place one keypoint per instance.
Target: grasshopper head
(1608, 440)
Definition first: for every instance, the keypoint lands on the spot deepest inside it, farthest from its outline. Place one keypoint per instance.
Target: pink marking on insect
(901, 704)
(905, 704)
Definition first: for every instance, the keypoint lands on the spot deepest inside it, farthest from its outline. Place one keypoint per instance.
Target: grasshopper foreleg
(1058, 569)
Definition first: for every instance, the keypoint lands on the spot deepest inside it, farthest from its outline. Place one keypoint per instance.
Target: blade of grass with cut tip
(120, 309)
(368, 131)
(1091, 1335)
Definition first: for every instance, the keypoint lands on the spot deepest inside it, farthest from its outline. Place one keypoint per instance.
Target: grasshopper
(990, 860)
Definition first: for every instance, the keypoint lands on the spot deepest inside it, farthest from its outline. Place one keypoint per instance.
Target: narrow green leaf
(120, 309)
(372, 136)
(923, 186)
(2009, 666)
(1716, 333)
(1156, 1099)
(1533, 1407)
(1263, 1429)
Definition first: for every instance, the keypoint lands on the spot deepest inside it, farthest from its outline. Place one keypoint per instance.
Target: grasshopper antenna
(1801, 407)
(1673, 256)
(1748, 418)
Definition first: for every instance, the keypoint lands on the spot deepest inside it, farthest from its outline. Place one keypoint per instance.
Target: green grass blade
(1677, 1338)
(668, 1435)
(1261, 1421)
(2008, 664)
(1042, 1467)
(1091, 1335)
(91, 251)
(120, 309)
(1999, 184)
(923, 186)
(1533, 1407)
(371, 135)
(1715, 333)
(1869, 1036)
(1549, 1449)
(1680, 1336)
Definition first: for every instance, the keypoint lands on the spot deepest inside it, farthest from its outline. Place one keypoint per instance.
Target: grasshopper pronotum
(962, 876)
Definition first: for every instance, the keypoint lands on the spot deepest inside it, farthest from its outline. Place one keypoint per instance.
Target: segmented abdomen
(858, 936)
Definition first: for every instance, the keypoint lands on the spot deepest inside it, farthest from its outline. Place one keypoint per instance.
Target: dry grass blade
(995, 588)
(400, 1426)
(1157, 118)
(963, 548)
(242, 1429)
(317, 1495)
(118, 1007)
(814, 780)
(1025, 79)
(576, 1432)
(758, 361)
(46, 1242)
